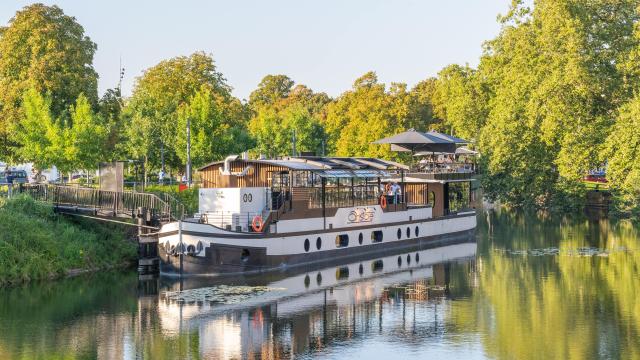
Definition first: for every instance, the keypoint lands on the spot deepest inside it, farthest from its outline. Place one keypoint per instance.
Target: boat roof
(320, 163)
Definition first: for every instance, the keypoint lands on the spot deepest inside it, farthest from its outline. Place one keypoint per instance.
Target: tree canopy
(44, 49)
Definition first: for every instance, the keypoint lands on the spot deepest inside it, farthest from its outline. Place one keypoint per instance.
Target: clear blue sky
(323, 44)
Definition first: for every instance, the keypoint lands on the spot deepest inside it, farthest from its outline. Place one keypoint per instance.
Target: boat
(258, 215)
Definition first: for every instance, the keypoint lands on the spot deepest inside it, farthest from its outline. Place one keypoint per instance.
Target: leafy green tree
(41, 139)
(87, 136)
(460, 99)
(274, 130)
(160, 94)
(213, 136)
(272, 88)
(280, 109)
(44, 49)
(622, 151)
(110, 111)
(554, 90)
(369, 112)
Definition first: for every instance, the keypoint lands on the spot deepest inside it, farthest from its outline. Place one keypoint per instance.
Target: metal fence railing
(165, 207)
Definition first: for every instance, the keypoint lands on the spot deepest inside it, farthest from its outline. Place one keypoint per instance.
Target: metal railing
(344, 197)
(239, 222)
(165, 208)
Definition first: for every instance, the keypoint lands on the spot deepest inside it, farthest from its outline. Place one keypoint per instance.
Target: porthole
(399, 234)
(199, 247)
(244, 257)
(408, 259)
(360, 269)
(417, 231)
(319, 279)
(342, 273)
(360, 238)
(318, 243)
(376, 236)
(408, 232)
(307, 281)
(417, 258)
(306, 245)
(399, 261)
(342, 240)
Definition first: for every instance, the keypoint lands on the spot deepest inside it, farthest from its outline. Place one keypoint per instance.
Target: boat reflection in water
(315, 311)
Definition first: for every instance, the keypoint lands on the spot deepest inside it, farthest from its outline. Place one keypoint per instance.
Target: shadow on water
(530, 286)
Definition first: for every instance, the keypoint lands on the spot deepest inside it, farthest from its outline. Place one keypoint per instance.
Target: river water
(527, 287)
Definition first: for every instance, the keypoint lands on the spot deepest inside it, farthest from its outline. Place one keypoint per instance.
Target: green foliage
(369, 112)
(622, 150)
(40, 137)
(77, 143)
(44, 49)
(461, 98)
(272, 89)
(188, 197)
(161, 102)
(87, 136)
(35, 243)
(280, 110)
(553, 90)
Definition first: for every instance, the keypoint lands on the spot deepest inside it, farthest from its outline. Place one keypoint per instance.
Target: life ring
(383, 201)
(257, 224)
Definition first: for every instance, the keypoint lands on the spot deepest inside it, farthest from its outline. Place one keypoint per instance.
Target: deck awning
(413, 141)
(352, 173)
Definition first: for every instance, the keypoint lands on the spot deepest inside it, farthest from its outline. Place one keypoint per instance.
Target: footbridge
(161, 208)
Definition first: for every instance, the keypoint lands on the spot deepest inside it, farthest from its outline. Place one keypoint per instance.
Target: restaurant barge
(261, 214)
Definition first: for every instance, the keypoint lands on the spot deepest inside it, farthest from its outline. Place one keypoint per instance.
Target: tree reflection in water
(507, 302)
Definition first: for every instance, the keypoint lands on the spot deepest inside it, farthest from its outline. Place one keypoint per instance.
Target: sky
(325, 45)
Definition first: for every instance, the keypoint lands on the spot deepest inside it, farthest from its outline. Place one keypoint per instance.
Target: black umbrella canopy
(412, 140)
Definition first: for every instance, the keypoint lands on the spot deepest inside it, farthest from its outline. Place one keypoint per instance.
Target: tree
(110, 112)
(554, 88)
(87, 136)
(280, 109)
(157, 98)
(213, 136)
(272, 88)
(369, 112)
(274, 130)
(44, 49)
(460, 99)
(41, 139)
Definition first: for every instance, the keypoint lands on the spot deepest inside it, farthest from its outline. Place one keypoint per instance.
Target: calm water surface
(528, 287)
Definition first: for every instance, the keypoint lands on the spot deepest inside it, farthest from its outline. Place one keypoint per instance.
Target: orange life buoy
(383, 201)
(257, 224)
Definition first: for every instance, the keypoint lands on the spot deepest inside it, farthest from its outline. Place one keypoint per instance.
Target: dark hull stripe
(170, 265)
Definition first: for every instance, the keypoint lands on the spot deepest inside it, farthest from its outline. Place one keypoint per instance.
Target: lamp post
(189, 151)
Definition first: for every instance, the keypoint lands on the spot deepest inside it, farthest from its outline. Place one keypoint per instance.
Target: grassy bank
(36, 243)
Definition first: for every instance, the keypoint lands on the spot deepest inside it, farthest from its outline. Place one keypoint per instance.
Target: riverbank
(36, 243)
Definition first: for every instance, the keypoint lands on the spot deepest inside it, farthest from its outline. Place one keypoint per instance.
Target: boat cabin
(236, 191)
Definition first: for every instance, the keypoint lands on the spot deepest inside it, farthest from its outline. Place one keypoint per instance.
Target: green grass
(36, 243)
